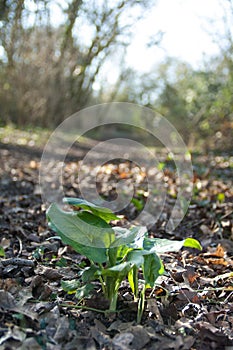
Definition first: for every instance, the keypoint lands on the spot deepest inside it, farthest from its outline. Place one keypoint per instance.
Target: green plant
(115, 253)
(2, 251)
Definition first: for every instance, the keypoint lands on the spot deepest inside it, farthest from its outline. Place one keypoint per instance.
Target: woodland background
(47, 71)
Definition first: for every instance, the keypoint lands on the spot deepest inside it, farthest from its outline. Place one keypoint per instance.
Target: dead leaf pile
(191, 307)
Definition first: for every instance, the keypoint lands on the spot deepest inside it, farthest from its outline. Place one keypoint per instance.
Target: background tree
(48, 71)
(198, 102)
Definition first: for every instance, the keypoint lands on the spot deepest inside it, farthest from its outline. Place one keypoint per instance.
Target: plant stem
(102, 284)
(141, 304)
(101, 279)
(135, 281)
(113, 303)
(112, 286)
(112, 254)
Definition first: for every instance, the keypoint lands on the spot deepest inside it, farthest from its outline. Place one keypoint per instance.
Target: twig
(20, 246)
(198, 223)
(228, 297)
(209, 289)
(17, 261)
(90, 308)
(226, 215)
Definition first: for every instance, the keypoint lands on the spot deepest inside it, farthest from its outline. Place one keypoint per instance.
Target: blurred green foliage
(199, 103)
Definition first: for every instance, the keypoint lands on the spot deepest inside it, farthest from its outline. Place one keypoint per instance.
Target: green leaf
(161, 165)
(137, 203)
(104, 237)
(89, 274)
(84, 291)
(122, 252)
(81, 236)
(192, 243)
(158, 245)
(133, 280)
(2, 252)
(92, 219)
(139, 238)
(70, 286)
(120, 270)
(61, 262)
(221, 197)
(126, 236)
(135, 257)
(152, 269)
(102, 212)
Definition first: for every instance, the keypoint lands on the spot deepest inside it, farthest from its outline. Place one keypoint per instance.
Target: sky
(185, 26)
(188, 35)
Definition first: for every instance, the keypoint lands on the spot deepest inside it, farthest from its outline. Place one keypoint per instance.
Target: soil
(190, 307)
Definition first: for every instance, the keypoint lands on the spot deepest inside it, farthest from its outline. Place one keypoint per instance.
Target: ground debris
(190, 308)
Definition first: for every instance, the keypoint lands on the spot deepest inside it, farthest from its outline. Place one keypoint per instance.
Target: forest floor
(191, 307)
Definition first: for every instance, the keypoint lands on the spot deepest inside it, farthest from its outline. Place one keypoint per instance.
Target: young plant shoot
(115, 253)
